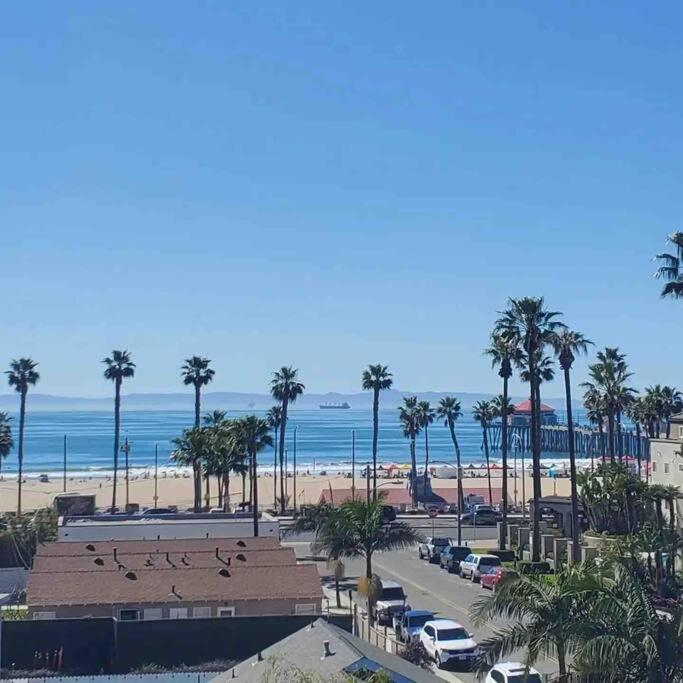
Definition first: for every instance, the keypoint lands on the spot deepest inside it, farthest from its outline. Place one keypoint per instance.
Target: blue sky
(332, 184)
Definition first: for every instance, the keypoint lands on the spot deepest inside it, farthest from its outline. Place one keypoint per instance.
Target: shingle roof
(174, 586)
(75, 548)
(303, 651)
(153, 561)
(525, 407)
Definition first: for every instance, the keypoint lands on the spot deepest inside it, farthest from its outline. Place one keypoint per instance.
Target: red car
(492, 576)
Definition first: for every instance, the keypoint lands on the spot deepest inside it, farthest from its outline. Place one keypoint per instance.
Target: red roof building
(521, 417)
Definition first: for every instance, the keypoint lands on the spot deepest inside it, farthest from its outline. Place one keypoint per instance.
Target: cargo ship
(334, 406)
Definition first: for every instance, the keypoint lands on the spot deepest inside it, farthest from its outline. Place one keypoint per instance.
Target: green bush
(527, 567)
(505, 555)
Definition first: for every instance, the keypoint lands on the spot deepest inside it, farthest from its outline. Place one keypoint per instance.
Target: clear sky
(327, 184)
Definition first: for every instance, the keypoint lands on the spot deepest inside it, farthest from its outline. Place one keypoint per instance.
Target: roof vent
(90, 547)
(99, 561)
(326, 649)
(174, 593)
(241, 544)
(132, 576)
(241, 557)
(224, 572)
(149, 563)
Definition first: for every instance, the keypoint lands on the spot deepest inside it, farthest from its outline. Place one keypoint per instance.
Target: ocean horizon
(323, 440)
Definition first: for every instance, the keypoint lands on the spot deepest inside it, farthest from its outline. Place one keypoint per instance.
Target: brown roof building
(171, 580)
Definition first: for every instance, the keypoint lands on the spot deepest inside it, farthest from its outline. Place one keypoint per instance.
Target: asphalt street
(429, 587)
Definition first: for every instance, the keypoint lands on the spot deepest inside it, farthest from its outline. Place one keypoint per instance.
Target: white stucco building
(666, 456)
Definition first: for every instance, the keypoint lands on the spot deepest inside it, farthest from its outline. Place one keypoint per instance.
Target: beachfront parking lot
(431, 588)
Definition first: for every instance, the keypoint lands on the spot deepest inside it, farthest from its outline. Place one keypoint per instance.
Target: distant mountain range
(231, 400)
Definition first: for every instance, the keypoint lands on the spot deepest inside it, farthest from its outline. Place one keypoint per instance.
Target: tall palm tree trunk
(254, 500)
(484, 428)
(226, 491)
(375, 432)
(426, 450)
(244, 489)
(610, 434)
(576, 549)
(413, 468)
(535, 460)
(461, 504)
(20, 452)
(504, 449)
(620, 441)
(117, 430)
(640, 449)
(275, 469)
(283, 426)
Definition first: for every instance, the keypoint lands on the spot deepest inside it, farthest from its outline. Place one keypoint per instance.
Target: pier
(588, 443)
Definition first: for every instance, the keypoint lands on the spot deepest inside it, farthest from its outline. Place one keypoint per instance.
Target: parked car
(451, 556)
(512, 672)
(473, 564)
(490, 576)
(390, 603)
(448, 643)
(432, 547)
(155, 512)
(480, 518)
(408, 625)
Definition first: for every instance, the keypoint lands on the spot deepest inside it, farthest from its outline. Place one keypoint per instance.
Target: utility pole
(156, 475)
(295, 428)
(126, 449)
(353, 464)
(64, 477)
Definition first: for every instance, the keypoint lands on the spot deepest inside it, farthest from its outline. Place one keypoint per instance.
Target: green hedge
(526, 567)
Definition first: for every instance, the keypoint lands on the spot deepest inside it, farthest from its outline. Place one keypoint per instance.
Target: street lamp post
(294, 482)
(126, 449)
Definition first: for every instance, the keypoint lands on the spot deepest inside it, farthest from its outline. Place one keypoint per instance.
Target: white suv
(470, 566)
(447, 642)
(512, 672)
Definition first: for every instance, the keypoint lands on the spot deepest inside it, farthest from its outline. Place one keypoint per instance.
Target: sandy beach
(178, 490)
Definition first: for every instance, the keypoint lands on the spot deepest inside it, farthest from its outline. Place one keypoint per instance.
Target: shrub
(505, 555)
(526, 567)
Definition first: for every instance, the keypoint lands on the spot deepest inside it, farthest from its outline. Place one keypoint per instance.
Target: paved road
(429, 587)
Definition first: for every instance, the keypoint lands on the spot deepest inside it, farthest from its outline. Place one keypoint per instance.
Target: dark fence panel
(92, 646)
(87, 644)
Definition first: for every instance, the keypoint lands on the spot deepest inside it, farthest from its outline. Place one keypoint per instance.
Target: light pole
(156, 475)
(353, 464)
(64, 485)
(126, 449)
(294, 482)
(459, 477)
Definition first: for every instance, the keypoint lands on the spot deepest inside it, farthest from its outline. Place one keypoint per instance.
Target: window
(177, 613)
(680, 432)
(452, 634)
(226, 611)
(305, 608)
(680, 468)
(666, 468)
(654, 466)
(152, 613)
(42, 616)
(429, 631)
(129, 615)
(201, 612)
(497, 677)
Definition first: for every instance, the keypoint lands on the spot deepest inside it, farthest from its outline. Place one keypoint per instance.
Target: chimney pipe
(326, 649)
(116, 554)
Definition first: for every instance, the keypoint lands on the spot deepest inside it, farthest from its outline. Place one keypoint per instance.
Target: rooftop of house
(157, 561)
(94, 548)
(131, 586)
(327, 651)
(525, 407)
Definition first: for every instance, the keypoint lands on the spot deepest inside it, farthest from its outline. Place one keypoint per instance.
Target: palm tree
(357, 529)
(672, 268)
(119, 366)
(622, 637)
(532, 327)
(409, 418)
(217, 423)
(425, 415)
(21, 375)
(255, 435)
(503, 352)
(450, 412)
(541, 616)
(637, 413)
(192, 449)
(274, 418)
(6, 442)
(196, 372)
(594, 403)
(483, 412)
(285, 387)
(376, 378)
(567, 344)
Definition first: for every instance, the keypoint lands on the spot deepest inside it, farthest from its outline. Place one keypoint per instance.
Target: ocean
(323, 440)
